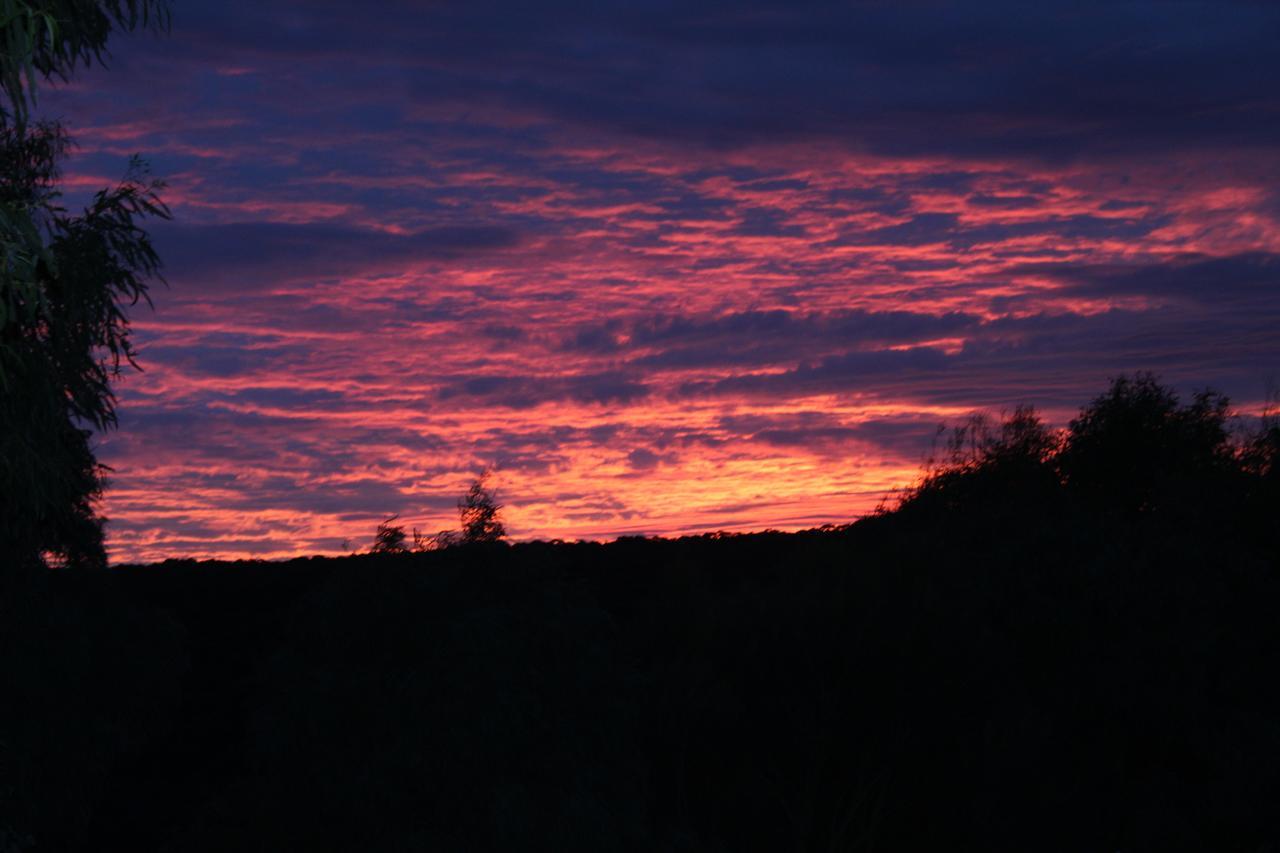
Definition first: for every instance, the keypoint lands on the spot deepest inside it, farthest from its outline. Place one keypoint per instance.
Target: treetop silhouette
(479, 517)
(478, 511)
(389, 538)
(65, 284)
(1135, 451)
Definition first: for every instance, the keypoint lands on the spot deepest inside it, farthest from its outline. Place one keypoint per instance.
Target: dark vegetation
(1056, 642)
(479, 523)
(479, 520)
(65, 284)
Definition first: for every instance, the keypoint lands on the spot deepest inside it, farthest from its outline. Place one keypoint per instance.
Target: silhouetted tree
(1260, 461)
(1132, 451)
(1260, 454)
(982, 464)
(64, 284)
(478, 512)
(478, 516)
(389, 538)
(1136, 447)
(435, 541)
(49, 38)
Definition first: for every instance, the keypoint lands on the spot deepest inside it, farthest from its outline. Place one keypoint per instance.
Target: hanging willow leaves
(46, 39)
(66, 282)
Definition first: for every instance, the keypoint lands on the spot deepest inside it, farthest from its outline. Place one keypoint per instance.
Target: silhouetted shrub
(478, 512)
(436, 541)
(983, 464)
(1135, 452)
(1135, 448)
(478, 516)
(1260, 455)
(389, 538)
(1260, 460)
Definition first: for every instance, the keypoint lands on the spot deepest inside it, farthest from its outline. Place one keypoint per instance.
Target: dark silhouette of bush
(436, 541)
(1261, 452)
(1136, 450)
(478, 516)
(1260, 461)
(478, 512)
(982, 464)
(389, 538)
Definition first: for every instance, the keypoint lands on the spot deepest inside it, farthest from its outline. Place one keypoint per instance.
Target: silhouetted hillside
(1057, 642)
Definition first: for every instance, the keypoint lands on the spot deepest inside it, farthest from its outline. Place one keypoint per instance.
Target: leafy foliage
(48, 38)
(64, 335)
(65, 283)
(478, 512)
(479, 516)
(389, 538)
(436, 541)
(1134, 452)
(981, 461)
(1136, 448)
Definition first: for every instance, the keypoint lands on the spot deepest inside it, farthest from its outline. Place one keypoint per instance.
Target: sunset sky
(667, 267)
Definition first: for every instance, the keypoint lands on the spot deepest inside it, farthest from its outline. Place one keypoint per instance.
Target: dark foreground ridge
(1024, 656)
